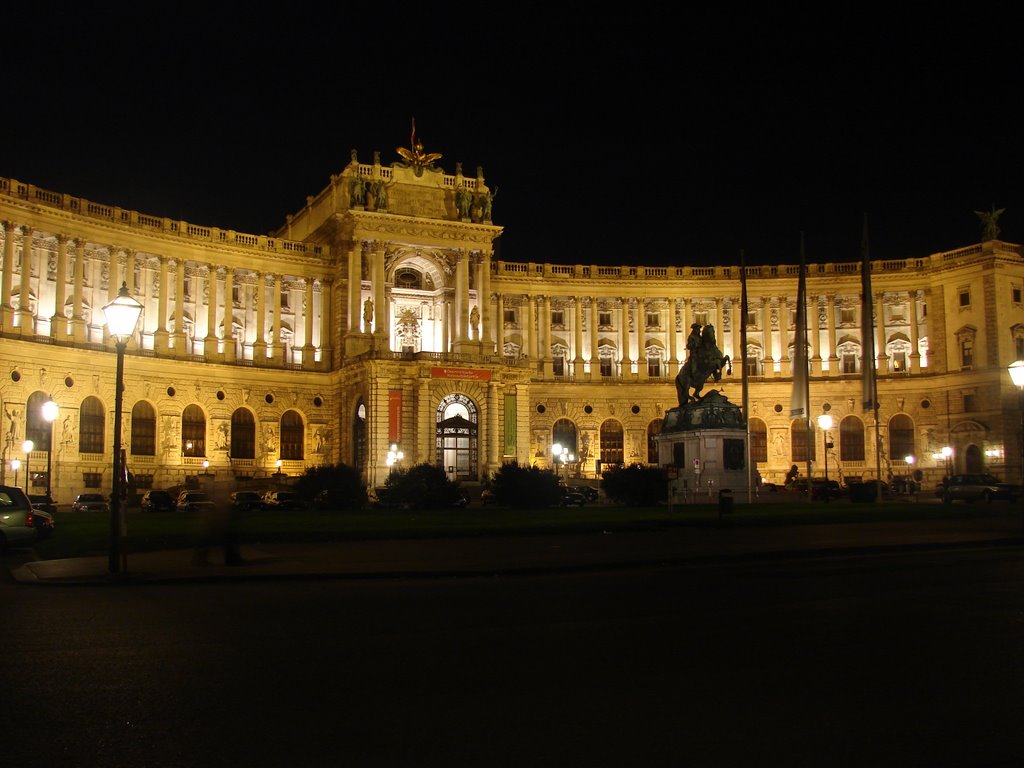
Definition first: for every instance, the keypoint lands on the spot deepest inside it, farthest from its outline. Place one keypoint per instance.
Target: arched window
(653, 430)
(143, 429)
(243, 434)
(90, 426)
(292, 436)
(37, 429)
(901, 437)
(564, 434)
(851, 439)
(611, 443)
(758, 440)
(193, 431)
(798, 445)
(456, 436)
(359, 452)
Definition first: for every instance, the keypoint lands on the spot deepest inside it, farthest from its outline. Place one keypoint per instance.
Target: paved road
(485, 555)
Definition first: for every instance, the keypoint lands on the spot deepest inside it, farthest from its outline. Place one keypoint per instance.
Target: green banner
(510, 425)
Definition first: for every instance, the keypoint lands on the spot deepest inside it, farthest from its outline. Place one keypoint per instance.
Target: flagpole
(869, 361)
(805, 367)
(743, 371)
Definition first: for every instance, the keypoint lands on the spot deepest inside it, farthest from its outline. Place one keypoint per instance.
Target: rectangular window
(604, 319)
(967, 353)
(606, 366)
(284, 298)
(654, 367)
(559, 365)
(965, 297)
(1018, 345)
(969, 406)
(92, 479)
(1015, 294)
(653, 319)
(143, 481)
(752, 319)
(753, 366)
(510, 317)
(557, 317)
(234, 295)
(846, 316)
(899, 362)
(849, 362)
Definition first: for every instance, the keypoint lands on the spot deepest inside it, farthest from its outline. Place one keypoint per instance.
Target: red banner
(466, 374)
(395, 416)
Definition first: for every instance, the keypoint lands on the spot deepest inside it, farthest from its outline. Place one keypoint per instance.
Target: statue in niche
(357, 193)
(474, 320)
(368, 313)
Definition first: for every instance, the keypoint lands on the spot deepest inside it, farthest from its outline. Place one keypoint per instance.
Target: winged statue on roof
(415, 156)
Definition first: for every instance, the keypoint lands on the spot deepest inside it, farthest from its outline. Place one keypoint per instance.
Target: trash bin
(724, 501)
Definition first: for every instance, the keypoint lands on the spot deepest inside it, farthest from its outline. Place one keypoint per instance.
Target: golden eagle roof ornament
(415, 157)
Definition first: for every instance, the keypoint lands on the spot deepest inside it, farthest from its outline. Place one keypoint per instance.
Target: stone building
(378, 315)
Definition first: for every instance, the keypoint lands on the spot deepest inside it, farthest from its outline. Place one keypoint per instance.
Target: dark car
(976, 487)
(246, 501)
(572, 499)
(194, 501)
(90, 502)
(589, 492)
(157, 501)
(44, 502)
(17, 518)
(282, 500)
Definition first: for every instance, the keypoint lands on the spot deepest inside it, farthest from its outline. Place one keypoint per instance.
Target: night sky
(628, 138)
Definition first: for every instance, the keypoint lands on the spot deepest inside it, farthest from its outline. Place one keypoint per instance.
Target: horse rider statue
(703, 359)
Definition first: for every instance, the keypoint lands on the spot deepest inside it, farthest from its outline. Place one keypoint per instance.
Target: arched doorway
(974, 462)
(456, 437)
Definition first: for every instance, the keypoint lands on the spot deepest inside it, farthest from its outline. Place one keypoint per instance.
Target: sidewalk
(527, 553)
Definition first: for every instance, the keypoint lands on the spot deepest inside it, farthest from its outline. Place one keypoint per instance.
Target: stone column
(545, 328)
(830, 319)
(785, 368)
(308, 350)
(178, 336)
(495, 403)
(768, 360)
(673, 339)
(277, 351)
(577, 321)
(77, 315)
(355, 290)
(381, 314)
(210, 351)
(687, 321)
(641, 338)
(626, 365)
(531, 323)
(813, 320)
(915, 340)
(7, 284)
(58, 321)
(737, 354)
(259, 344)
(595, 339)
(230, 351)
(26, 326)
(113, 287)
(880, 354)
(499, 327)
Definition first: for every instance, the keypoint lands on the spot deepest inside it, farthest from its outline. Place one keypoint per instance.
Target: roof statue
(415, 156)
(989, 228)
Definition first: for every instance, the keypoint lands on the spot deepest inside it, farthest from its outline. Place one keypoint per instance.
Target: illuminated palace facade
(378, 315)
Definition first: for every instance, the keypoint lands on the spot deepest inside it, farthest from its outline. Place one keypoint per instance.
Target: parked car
(44, 523)
(90, 502)
(976, 487)
(17, 518)
(246, 501)
(589, 492)
(282, 500)
(193, 501)
(43, 501)
(572, 499)
(157, 501)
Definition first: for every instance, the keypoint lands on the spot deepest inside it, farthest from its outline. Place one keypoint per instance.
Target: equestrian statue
(703, 360)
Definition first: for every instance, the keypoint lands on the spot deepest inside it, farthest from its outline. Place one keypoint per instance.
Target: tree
(333, 486)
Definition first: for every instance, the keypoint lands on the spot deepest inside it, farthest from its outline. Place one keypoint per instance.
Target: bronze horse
(705, 360)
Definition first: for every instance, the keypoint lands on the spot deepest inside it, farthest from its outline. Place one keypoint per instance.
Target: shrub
(636, 485)
(423, 486)
(529, 487)
(333, 486)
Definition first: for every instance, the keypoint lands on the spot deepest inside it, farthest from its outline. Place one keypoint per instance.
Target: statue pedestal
(706, 444)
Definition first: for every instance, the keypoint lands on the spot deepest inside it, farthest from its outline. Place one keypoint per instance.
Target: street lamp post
(1016, 370)
(394, 457)
(15, 465)
(825, 423)
(947, 454)
(910, 467)
(561, 453)
(50, 411)
(122, 315)
(28, 446)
